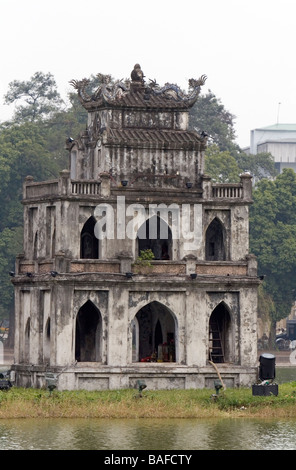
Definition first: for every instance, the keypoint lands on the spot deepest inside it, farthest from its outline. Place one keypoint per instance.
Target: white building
(277, 139)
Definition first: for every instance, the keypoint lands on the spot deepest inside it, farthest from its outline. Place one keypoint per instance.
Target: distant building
(279, 140)
(84, 308)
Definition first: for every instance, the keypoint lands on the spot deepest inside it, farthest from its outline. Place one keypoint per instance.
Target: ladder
(216, 352)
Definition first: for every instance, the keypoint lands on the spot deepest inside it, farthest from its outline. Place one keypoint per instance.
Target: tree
(22, 152)
(209, 115)
(221, 166)
(39, 97)
(273, 239)
(260, 165)
(11, 242)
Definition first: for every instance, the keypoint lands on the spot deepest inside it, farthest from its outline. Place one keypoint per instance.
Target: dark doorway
(88, 334)
(156, 235)
(155, 334)
(89, 246)
(219, 334)
(215, 243)
(158, 338)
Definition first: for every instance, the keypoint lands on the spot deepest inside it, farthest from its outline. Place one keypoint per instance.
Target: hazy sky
(246, 48)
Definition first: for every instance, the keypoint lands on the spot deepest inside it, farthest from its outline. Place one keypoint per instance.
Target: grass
(200, 403)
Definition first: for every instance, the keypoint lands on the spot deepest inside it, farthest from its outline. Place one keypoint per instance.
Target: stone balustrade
(68, 187)
(242, 268)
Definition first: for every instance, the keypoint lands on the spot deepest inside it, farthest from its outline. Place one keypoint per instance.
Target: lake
(152, 434)
(148, 434)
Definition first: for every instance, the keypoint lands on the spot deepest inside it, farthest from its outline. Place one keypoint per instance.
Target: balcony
(173, 269)
(65, 186)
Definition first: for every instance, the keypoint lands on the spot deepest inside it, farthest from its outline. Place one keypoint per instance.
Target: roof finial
(137, 77)
(137, 74)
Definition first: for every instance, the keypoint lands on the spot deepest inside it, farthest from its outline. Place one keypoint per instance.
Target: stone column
(125, 262)
(246, 180)
(117, 327)
(64, 183)
(206, 185)
(105, 188)
(29, 179)
(252, 265)
(190, 264)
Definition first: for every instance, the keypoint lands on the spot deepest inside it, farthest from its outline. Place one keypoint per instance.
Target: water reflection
(148, 434)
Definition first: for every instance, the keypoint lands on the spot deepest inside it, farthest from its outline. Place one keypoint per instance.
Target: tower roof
(150, 137)
(136, 93)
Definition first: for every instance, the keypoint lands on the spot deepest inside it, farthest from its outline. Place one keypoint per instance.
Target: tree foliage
(209, 115)
(37, 98)
(224, 158)
(221, 166)
(260, 165)
(23, 151)
(273, 238)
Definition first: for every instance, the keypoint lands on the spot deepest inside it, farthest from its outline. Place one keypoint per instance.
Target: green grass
(200, 403)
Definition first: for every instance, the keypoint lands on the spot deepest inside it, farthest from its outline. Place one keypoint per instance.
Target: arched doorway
(88, 334)
(155, 337)
(220, 339)
(215, 241)
(89, 244)
(156, 235)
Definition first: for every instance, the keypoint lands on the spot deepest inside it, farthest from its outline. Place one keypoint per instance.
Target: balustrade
(227, 191)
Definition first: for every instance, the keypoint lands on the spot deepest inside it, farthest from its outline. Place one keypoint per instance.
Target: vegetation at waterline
(201, 403)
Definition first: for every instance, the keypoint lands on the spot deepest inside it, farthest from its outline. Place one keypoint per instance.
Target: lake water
(152, 434)
(148, 434)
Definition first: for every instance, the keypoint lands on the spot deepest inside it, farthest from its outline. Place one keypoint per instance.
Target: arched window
(156, 235)
(220, 339)
(215, 241)
(88, 334)
(154, 339)
(89, 245)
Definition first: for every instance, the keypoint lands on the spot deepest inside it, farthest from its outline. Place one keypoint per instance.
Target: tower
(88, 307)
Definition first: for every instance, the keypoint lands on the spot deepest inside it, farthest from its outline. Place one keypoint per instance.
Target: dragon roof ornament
(112, 93)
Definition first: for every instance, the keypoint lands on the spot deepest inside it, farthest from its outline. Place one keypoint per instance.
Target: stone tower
(87, 308)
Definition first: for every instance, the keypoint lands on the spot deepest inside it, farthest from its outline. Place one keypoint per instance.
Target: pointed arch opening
(89, 244)
(215, 241)
(156, 235)
(154, 334)
(88, 334)
(220, 338)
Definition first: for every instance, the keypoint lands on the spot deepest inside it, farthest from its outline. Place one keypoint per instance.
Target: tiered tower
(87, 309)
